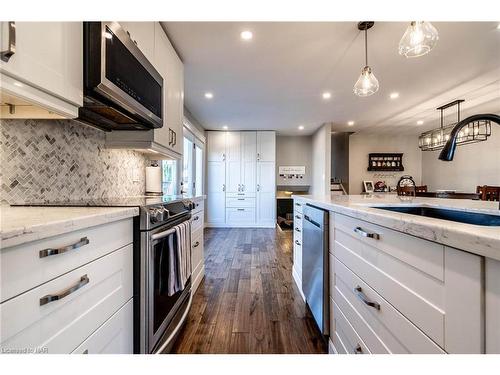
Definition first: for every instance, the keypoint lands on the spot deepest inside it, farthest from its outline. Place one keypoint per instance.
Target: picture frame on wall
(368, 185)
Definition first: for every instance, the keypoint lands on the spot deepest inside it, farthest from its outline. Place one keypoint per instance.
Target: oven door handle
(163, 234)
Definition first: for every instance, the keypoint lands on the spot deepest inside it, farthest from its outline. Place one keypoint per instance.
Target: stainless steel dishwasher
(315, 264)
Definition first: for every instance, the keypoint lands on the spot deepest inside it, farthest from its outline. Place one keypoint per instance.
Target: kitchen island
(404, 283)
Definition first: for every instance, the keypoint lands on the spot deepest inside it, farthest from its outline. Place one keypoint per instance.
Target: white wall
(473, 164)
(360, 145)
(321, 161)
(294, 151)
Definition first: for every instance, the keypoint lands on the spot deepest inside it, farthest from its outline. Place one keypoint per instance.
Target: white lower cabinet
(297, 245)
(116, 335)
(197, 245)
(395, 293)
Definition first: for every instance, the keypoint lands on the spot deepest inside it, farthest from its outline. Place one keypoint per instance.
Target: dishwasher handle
(312, 221)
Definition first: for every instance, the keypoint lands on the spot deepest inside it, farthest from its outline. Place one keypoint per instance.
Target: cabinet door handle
(360, 231)
(223, 187)
(174, 140)
(49, 252)
(297, 229)
(297, 242)
(169, 137)
(258, 156)
(364, 298)
(223, 157)
(358, 349)
(11, 48)
(196, 218)
(242, 187)
(239, 187)
(298, 204)
(84, 280)
(196, 244)
(298, 217)
(258, 187)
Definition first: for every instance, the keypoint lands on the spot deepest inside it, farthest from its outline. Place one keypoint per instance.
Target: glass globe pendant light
(419, 39)
(367, 83)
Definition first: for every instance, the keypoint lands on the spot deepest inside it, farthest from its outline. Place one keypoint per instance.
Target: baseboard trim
(211, 225)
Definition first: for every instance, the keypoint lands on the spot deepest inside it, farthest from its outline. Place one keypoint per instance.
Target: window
(192, 164)
(169, 180)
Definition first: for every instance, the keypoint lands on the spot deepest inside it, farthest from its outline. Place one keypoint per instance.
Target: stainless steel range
(158, 316)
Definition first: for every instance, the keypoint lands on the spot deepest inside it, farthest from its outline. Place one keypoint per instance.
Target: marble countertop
(481, 240)
(19, 225)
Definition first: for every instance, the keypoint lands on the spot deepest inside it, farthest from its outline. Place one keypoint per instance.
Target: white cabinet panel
(266, 193)
(266, 146)
(233, 176)
(216, 146)
(143, 33)
(241, 216)
(233, 146)
(216, 196)
(48, 59)
(115, 336)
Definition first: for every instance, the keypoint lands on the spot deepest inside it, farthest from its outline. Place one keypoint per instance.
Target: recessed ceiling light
(420, 122)
(224, 127)
(246, 35)
(326, 95)
(209, 95)
(301, 127)
(394, 95)
(18, 84)
(350, 123)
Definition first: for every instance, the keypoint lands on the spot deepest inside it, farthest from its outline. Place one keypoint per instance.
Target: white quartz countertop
(19, 225)
(481, 240)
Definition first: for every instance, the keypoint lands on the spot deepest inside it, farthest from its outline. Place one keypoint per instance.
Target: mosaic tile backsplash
(47, 160)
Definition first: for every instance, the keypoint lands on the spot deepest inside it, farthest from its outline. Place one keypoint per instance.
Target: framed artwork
(368, 186)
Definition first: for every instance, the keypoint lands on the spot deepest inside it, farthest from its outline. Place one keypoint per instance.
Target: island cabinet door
(492, 301)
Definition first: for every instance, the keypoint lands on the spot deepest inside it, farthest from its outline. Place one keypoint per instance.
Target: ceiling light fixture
(420, 122)
(394, 95)
(301, 127)
(209, 95)
(326, 95)
(350, 123)
(419, 39)
(246, 35)
(498, 26)
(224, 127)
(367, 83)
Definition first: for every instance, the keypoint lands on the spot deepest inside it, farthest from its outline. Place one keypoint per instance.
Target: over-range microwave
(122, 89)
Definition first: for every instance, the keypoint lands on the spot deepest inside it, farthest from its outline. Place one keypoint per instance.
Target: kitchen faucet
(448, 151)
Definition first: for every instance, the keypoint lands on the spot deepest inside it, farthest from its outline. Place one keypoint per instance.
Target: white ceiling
(276, 80)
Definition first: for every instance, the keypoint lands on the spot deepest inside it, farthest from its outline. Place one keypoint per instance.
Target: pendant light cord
(366, 46)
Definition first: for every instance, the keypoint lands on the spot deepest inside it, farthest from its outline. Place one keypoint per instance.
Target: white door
(266, 146)
(216, 196)
(49, 56)
(249, 164)
(216, 146)
(266, 193)
(233, 162)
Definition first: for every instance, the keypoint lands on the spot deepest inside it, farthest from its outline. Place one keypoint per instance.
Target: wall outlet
(135, 175)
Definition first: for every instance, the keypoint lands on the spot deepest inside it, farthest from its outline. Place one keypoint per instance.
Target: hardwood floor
(248, 301)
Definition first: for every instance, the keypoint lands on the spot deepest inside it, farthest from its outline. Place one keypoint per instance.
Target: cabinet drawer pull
(11, 47)
(358, 349)
(196, 218)
(364, 298)
(241, 209)
(360, 231)
(297, 229)
(196, 244)
(241, 199)
(297, 242)
(84, 280)
(174, 139)
(48, 252)
(298, 217)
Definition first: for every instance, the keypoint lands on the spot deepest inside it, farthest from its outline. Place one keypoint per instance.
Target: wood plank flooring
(248, 301)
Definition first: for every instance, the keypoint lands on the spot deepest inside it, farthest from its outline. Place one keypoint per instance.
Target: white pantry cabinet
(239, 184)
(43, 78)
(167, 141)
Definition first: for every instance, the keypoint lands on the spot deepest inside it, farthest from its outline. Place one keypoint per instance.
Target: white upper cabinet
(216, 146)
(143, 34)
(167, 140)
(248, 164)
(266, 146)
(45, 72)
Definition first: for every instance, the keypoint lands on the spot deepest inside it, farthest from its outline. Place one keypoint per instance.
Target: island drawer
(199, 206)
(60, 314)
(298, 206)
(382, 327)
(28, 265)
(197, 221)
(350, 339)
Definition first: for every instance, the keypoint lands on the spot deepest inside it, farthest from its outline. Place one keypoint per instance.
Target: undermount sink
(475, 218)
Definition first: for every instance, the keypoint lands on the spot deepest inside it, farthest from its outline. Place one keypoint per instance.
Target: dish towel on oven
(179, 257)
